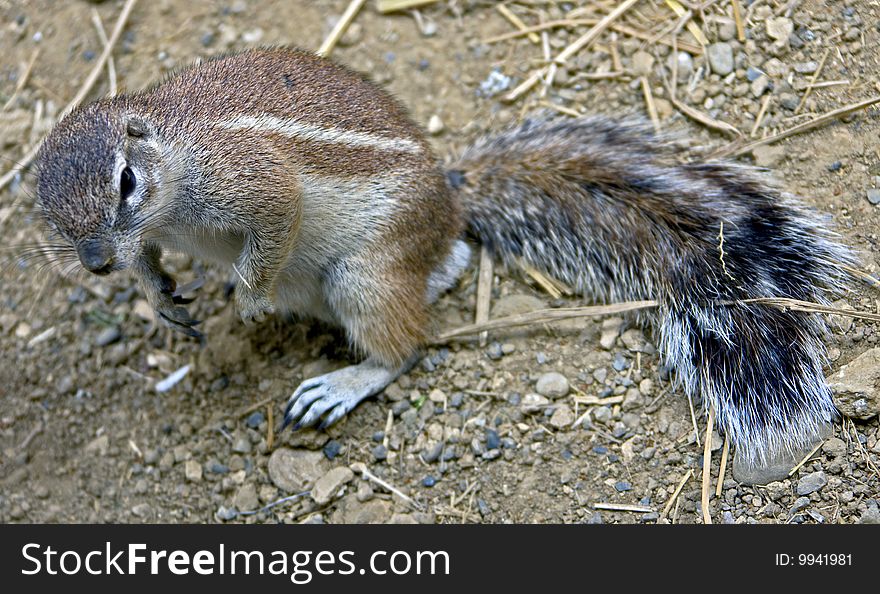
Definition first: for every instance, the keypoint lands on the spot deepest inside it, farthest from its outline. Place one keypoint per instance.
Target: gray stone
(780, 29)
(533, 403)
(789, 101)
(562, 417)
(760, 85)
(294, 471)
(720, 58)
(811, 483)
(552, 385)
(610, 332)
(246, 498)
(193, 471)
(108, 336)
(685, 65)
(874, 196)
(855, 386)
(328, 486)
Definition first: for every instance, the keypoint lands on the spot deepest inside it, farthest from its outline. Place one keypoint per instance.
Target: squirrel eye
(127, 183)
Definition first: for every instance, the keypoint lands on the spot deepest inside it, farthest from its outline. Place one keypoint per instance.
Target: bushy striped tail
(605, 207)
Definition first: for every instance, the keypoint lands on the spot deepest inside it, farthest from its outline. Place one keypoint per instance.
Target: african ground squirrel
(327, 200)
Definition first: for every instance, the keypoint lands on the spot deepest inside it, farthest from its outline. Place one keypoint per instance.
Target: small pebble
(254, 420)
(108, 336)
(332, 449)
(380, 452)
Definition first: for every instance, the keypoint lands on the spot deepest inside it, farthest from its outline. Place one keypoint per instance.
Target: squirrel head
(98, 179)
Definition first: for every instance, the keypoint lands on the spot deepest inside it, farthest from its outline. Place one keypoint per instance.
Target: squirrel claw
(325, 399)
(178, 318)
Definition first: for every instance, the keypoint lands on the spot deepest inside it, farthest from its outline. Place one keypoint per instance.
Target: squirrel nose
(96, 256)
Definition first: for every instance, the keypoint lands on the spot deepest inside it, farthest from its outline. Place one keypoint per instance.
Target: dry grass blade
(484, 291)
(620, 28)
(805, 459)
(395, 5)
(675, 494)
(810, 307)
(626, 507)
(735, 149)
(111, 65)
(544, 315)
(22, 80)
(737, 17)
(649, 103)
(83, 91)
(813, 80)
(341, 26)
(707, 467)
(694, 29)
(702, 118)
(517, 22)
(724, 454)
(576, 46)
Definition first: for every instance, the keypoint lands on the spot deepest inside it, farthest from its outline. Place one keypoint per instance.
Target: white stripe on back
(309, 132)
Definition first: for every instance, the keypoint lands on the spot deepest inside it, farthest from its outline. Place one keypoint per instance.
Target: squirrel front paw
(168, 302)
(252, 307)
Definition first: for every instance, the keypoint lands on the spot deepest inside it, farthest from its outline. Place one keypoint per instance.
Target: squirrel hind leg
(383, 310)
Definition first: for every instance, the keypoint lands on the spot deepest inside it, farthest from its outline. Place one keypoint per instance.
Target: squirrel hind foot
(329, 397)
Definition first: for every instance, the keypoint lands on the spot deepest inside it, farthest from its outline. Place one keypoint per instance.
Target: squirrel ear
(137, 127)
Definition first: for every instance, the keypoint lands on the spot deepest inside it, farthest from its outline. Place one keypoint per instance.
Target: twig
(544, 315)
(707, 467)
(626, 507)
(83, 91)
(341, 25)
(22, 80)
(732, 150)
(702, 118)
(810, 307)
(649, 101)
(275, 503)
(389, 423)
(484, 291)
(862, 449)
(30, 436)
(620, 28)
(694, 420)
(395, 5)
(270, 428)
(695, 30)
(579, 44)
(111, 65)
(517, 22)
(813, 80)
(361, 468)
(760, 117)
(724, 453)
(737, 17)
(675, 494)
(99, 65)
(253, 407)
(807, 457)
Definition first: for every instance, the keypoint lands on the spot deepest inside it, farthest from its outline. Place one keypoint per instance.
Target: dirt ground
(86, 437)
